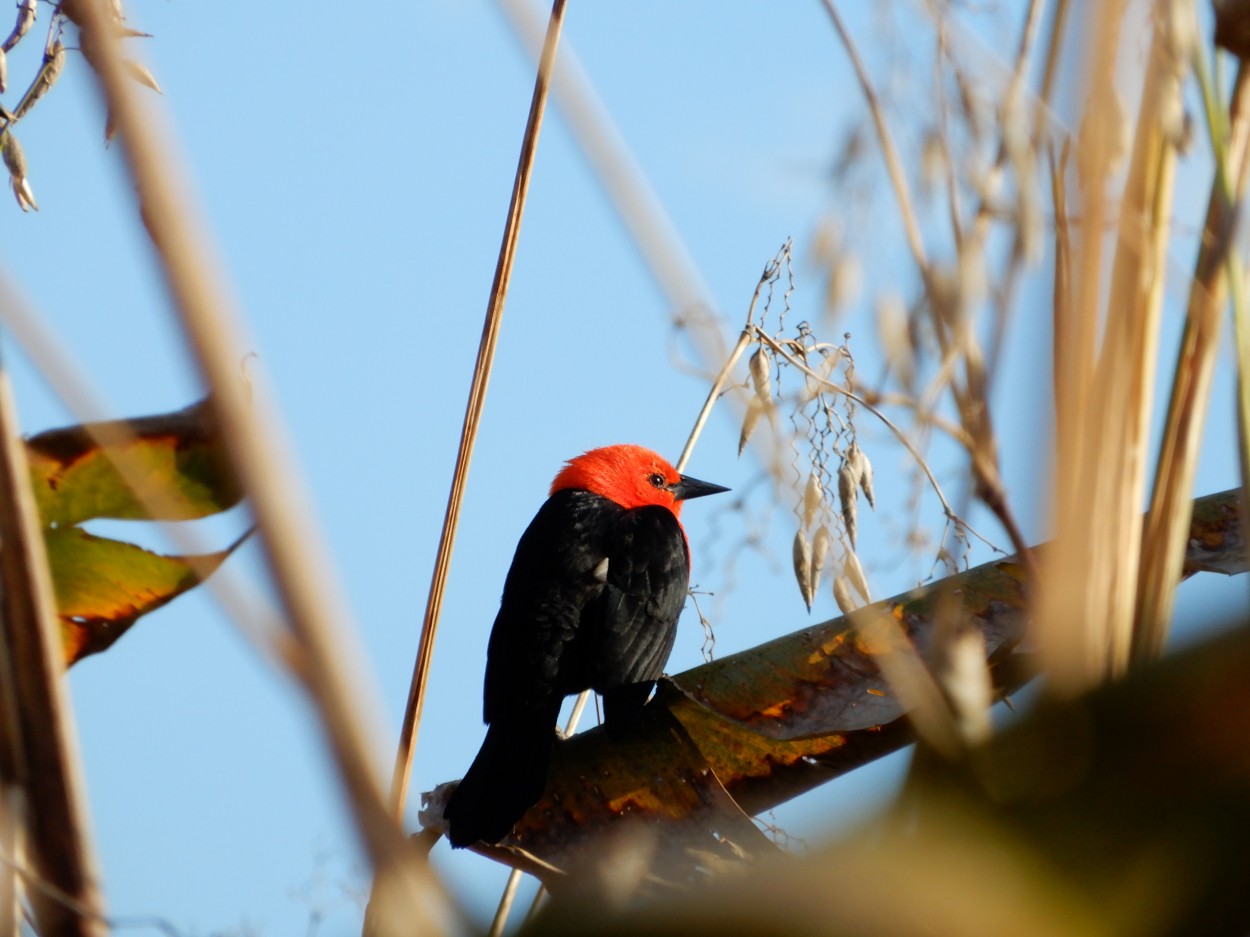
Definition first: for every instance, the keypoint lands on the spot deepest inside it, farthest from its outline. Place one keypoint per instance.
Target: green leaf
(103, 586)
(177, 459)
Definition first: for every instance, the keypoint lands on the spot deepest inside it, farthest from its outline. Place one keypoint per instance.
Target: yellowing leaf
(178, 459)
(102, 586)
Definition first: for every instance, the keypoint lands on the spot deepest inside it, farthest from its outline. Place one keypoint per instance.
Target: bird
(590, 602)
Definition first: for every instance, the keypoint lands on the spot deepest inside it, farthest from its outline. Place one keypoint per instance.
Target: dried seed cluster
(50, 68)
(829, 467)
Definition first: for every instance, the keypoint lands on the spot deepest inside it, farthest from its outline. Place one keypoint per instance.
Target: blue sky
(354, 172)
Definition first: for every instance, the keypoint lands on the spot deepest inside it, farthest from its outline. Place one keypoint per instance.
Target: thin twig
(722, 378)
(473, 413)
(713, 394)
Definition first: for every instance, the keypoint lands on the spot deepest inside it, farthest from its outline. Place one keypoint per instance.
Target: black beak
(689, 488)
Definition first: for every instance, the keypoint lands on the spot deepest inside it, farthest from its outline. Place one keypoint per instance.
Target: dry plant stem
(1125, 377)
(473, 412)
(1076, 345)
(1062, 287)
(992, 184)
(10, 837)
(1054, 45)
(1076, 583)
(37, 698)
(505, 904)
(1167, 524)
(722, 378)
(923, 416)
(971, 399)
(259, 457)
(893, 164)
(1241, 330)
(635, 200)
(1026, 158)
(718, 387)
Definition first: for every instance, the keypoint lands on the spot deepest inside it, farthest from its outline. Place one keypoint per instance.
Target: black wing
(537, 654)
(634, 620)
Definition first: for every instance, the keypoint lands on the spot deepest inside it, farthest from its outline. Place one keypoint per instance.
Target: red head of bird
(633, 477)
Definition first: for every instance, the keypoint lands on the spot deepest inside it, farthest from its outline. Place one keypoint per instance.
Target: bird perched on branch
(590, 602)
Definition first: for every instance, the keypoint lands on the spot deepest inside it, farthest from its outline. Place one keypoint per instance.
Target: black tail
(506, 778)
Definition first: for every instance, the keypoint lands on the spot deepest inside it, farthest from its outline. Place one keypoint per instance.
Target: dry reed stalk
(1167, 524)
(259, 457)
(10, 858)
(473, 411)
(1241, 338)
(36, 700)
(1124, 384)
(1102, 396)
(468, 436)
(632, 196)
(500, 919)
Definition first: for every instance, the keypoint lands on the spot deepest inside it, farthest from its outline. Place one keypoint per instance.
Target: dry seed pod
(4, 71)
(25, 20)
(760, 367)
(141, 74)
(842, 595)
(847, 499)
(820, 550)
(844, 283)
(863, 468)
(932, 161)
(21, 191)
(749, 421)
(813, 495)
(895, 336)
(803, 566)
(15, 162)
(855, 574)
(14, 156)
(49, 72)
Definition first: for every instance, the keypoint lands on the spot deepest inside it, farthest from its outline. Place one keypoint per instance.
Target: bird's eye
(658, 480)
